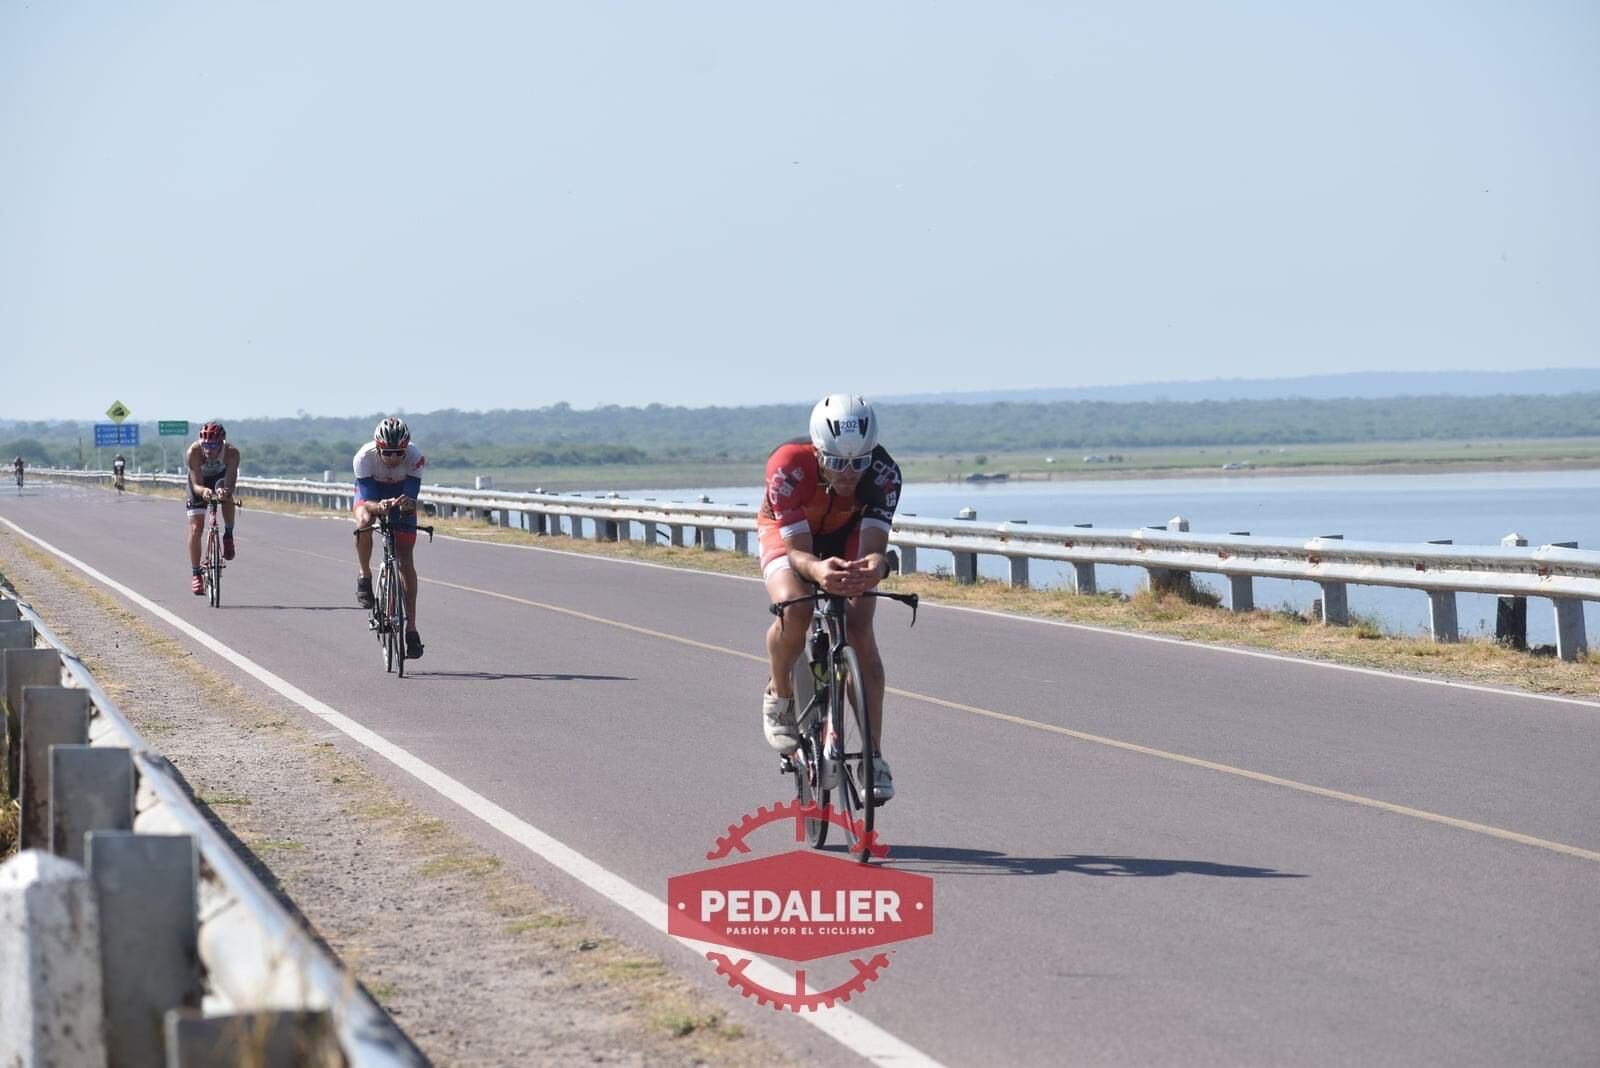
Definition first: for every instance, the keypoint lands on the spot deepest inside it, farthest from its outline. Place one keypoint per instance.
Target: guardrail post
(741, 542)
(966, 564)
(1442, 620)
(675, 534)
(16, 635)
(51, 715)
(1166, 580)
(605, 530)
(50, 990)
(648, 531)
(1571, 639)
(91, 789)
(1511, 613)
(1083, 571)
(279, 1039)
(145, 885)
(1442, 616)
(624, 530)
(706, 537)
(1335, 596)
(1019, 564)
(908, 559)
(1241, 588)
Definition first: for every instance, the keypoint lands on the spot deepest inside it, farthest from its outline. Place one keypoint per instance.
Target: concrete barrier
(50, 989)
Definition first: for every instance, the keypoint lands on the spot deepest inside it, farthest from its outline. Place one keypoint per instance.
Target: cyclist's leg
(786, 639)
(405, 544)
(196, 511)
(858, 623)
(363, 538)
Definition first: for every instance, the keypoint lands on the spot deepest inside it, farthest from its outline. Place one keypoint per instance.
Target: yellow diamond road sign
(117, 412)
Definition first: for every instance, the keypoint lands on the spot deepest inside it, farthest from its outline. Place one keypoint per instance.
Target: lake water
(1470, 508)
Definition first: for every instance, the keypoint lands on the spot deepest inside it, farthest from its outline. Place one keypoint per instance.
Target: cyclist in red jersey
(824, 521)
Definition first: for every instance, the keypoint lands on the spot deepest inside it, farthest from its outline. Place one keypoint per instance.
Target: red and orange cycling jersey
(798, 501)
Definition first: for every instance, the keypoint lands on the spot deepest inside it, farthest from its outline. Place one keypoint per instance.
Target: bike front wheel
(849, 710)
(386, 621)
(397, 624)
(214, 570)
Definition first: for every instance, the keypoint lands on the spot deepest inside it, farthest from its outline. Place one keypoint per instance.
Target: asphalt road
(1117, 879)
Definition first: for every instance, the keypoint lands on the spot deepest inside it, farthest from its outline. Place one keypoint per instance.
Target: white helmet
(844, 424)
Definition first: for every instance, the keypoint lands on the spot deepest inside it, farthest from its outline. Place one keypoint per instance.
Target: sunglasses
(391, 454)
(211, 446)
(845, 463)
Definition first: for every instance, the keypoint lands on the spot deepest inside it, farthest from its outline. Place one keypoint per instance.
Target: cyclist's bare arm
(874, 562)
(197, 485)
(230, 477)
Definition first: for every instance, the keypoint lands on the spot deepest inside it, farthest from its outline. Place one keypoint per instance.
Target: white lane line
(856, 1033)
(1094, 629)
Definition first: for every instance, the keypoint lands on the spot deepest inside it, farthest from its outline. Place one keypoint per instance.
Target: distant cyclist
(213, 466)
(388, 478)
(17, 466)
(824, 521)
(119, 468)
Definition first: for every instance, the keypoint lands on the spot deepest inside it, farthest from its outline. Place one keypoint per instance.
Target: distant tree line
(563, 436)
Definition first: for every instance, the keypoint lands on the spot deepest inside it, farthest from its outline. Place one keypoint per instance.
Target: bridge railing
(1563, 573)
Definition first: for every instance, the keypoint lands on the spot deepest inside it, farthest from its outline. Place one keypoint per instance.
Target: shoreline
(1400, 467)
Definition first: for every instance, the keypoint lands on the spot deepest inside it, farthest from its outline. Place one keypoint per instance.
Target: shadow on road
(941, 860)
(296, 607)
(534, 677)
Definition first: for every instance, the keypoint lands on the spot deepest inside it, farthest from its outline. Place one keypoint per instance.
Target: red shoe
(227, 546)
(198, 585)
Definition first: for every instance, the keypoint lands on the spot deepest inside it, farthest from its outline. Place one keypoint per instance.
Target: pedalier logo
(799, 906)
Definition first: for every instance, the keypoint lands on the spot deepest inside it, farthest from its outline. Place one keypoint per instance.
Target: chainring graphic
(735, 971)
(861, 839)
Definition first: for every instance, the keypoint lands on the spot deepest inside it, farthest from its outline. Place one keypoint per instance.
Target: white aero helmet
(844, 425)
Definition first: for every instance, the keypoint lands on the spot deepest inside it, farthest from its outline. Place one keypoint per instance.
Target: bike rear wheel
(849, 706)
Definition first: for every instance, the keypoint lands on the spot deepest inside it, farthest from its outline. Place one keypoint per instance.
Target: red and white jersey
(800, 502)
(368, 464)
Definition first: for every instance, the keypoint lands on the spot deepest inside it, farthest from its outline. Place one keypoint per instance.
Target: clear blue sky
(341, 207)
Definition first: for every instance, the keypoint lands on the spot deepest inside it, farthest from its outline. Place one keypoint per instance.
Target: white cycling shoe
(882, 780)
(777, 723)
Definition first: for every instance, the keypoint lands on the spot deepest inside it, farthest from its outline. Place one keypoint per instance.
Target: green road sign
(117, 412)
(173, 428)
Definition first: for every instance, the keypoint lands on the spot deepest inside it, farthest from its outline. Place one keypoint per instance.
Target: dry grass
(10, 828)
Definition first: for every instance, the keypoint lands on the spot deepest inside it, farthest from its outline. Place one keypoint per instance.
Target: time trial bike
(836, 742)
(387, 618)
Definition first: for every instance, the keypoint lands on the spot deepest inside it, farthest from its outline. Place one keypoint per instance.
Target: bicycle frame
(211, 560)
(387, 618)
(822, 762)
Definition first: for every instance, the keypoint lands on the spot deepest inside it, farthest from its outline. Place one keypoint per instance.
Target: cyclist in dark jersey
(824, 521)
(213, 467)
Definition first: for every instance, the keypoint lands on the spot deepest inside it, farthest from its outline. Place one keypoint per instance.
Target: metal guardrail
(1563, 573)
(256, 957)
